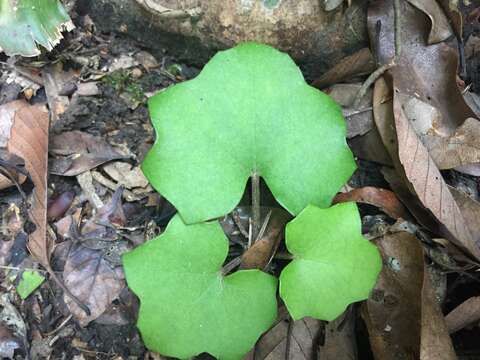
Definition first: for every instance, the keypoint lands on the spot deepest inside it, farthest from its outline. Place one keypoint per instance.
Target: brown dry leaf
(403, 317)
(259, 255)
(440, 30)
(370, 147)
(92, 280)
(462, 148)
(384, 199)
(359, 63)
(383, 116)
(359, 120)
(464, 314)
(435, 343)
(340, 342)
(447, 151)
(302, 338)
(427, 183)
(81, 152)
(29, 140)
(418, 172)
(55, 79)
(416, 73)
(393, 313)
(454, 15)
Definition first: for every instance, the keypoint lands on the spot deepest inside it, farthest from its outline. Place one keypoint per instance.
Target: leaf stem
(255, 205)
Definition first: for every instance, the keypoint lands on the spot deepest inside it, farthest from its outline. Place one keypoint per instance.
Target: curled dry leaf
(384, 199)
(440, 30)
(93, 281)
(261, 252)
(359, 63)
(464, 314)
(80, 152)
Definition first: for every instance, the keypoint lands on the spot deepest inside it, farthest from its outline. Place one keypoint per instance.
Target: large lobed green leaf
(333, 266)
(26, 23)
(187, 305)
(249, 110)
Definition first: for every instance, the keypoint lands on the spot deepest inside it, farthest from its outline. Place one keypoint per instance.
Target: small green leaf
(248, 111)
(30, 281)
(26, 23)
(333, 266)
(187, 305)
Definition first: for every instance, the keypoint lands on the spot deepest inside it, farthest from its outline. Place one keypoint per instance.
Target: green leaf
(26, 23)
(30, 281)
(187, 305)
(333, 266)
(249, 110)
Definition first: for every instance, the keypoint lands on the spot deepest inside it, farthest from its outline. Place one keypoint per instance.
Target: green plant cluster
(248, 113)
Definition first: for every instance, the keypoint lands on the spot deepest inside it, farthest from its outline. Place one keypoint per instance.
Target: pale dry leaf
(465, 314)
(462, 148)
(331, 5)
(92, 280)
(440, 29)
(125, 174)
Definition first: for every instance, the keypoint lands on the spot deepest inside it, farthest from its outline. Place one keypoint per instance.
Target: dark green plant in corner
(249, 113)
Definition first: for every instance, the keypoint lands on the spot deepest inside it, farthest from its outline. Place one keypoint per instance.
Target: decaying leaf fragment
(92, 280)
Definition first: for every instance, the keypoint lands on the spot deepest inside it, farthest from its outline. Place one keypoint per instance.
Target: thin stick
(370, 80)
(231, 265)
(255, 205)
(398, 28)
(264, 226)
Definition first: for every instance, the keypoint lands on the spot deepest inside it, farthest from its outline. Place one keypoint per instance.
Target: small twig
(370, 80)
(231, 265)
(398, 28)
(283, 256)
(250, 233)
(21, 269)
(238, 222)
(264, 226)
(289, 336)
(255, 204)
(59, 327)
